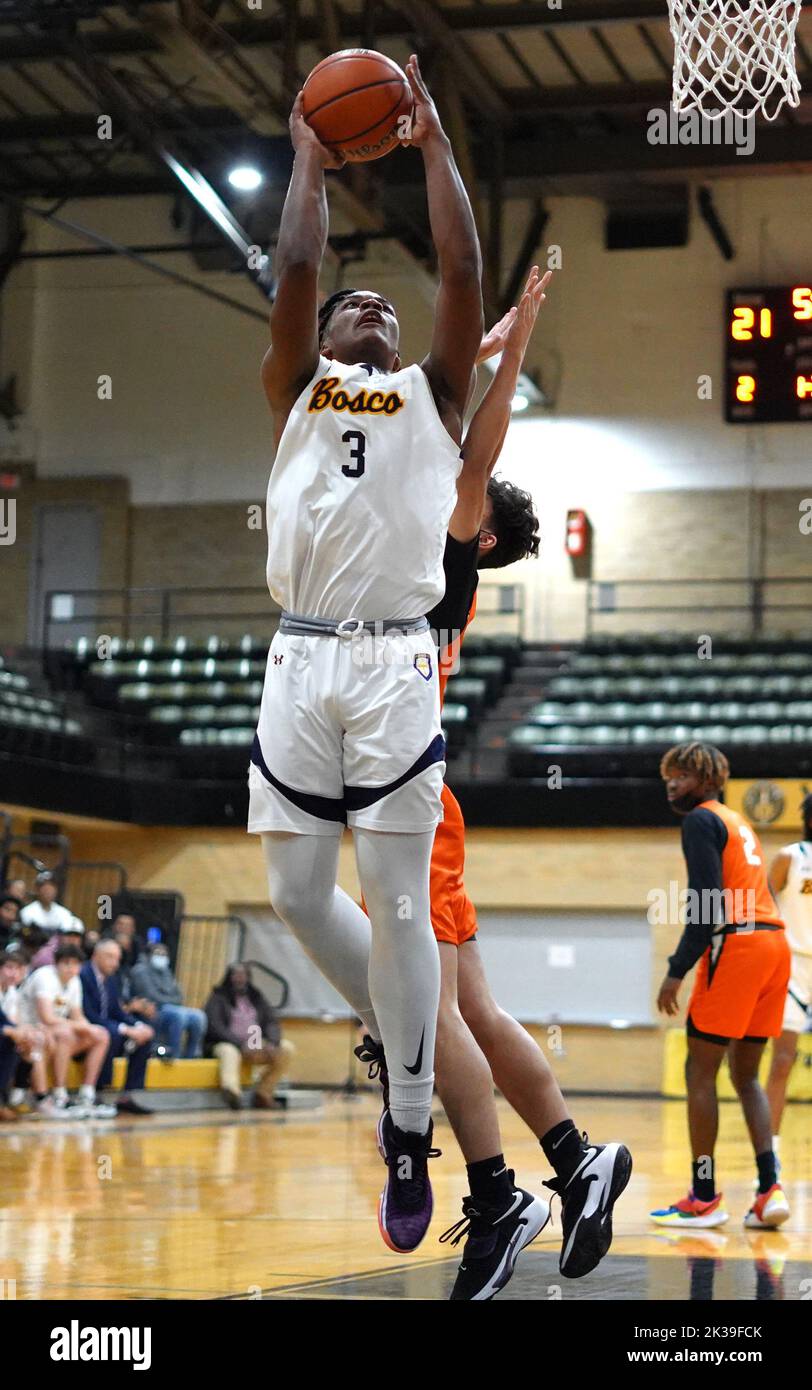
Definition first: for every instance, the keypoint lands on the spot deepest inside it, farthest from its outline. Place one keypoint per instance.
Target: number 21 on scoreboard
(744, 317)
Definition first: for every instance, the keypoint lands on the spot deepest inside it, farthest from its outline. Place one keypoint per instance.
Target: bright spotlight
(245, 178)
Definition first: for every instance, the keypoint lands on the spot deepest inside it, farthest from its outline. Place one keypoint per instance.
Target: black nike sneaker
(372, 1052)
(587, 1199)
(406, 1203)
(496, 1238)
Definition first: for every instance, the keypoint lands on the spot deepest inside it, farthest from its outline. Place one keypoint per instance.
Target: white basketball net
(733, 56)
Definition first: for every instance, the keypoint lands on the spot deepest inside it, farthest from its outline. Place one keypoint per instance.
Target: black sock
(490, 1181)
(704, 1189)
(767, 1170)
(563, 1147)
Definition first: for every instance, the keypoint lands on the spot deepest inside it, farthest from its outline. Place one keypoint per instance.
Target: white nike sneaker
(587, 1199)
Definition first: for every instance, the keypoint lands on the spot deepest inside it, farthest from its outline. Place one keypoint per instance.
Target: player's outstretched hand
(426, 123)
(304, 137)
(523, 322)
(667, 998)
(494, 340)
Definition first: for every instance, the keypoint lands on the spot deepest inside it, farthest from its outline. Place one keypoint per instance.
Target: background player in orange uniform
(734, 930)
(493, 525)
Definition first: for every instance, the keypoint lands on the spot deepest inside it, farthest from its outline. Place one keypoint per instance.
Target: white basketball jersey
(360, 496)
(795, 898)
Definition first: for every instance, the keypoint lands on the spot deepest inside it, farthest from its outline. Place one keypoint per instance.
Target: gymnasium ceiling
(538, 100)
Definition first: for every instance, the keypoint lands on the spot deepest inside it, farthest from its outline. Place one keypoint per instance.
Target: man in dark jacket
(102, 1005)
(244, 1027)
(152, 979)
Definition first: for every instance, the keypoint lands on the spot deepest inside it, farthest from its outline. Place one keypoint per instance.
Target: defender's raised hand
(425, 120)
(495, 339)
(303, 137)
(521, 326)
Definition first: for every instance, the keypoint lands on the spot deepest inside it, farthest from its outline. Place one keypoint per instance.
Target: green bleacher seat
(468, 692)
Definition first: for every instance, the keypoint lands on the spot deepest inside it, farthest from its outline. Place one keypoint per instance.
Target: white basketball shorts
(349, 734)
(799, 996)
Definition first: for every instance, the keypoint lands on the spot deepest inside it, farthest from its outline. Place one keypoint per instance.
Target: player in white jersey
(359, 500)
(791, 882)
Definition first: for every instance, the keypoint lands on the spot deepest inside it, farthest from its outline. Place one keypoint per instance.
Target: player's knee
(744, 1080)
(297, 903)
(482, 1016)
(783, 1060)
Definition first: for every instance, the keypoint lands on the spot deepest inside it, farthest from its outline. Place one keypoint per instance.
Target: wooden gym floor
(283, 1206)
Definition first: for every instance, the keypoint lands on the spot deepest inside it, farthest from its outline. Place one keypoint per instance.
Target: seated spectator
(70, 934)
(45, 912)
(242, 1025)
(91, 936)
(13, 970)
(152, 981)
(18, 1042)
(10, 923)
(123, 930)
(28, 940)
(16, 888)
(102, 1002)
(51, 1000)
(12, 973)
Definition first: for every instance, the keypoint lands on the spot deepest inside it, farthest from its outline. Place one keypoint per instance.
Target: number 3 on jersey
(358, 444)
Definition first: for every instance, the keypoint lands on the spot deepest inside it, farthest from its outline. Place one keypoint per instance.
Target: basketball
(353, 100)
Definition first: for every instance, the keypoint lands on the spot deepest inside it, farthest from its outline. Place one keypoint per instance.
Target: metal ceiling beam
(466, 19)
(77, 125)
(543, 161)
(432, 24)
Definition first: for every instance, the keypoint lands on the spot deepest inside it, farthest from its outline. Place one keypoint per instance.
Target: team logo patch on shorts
(422, 665)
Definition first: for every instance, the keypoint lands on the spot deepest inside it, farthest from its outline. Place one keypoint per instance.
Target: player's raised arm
(294, 352)
(458, 311)
(486, 433)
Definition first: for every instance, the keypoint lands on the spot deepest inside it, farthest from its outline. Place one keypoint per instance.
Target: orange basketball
(354, 100)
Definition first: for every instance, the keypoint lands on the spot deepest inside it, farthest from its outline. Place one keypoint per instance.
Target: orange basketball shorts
(742, 994)
(453, 915)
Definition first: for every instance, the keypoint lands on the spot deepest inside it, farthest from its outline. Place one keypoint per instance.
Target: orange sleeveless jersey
(743, 868)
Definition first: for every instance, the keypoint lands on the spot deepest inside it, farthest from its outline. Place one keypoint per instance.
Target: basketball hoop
(734, 56)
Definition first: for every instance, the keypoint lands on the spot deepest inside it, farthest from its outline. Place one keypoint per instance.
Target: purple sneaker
(406, 1203)
(372, 1052)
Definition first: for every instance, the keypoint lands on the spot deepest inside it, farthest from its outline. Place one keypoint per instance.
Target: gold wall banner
(768, 803)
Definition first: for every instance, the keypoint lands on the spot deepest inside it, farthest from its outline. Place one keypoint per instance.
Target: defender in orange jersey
(478, 1044)
(735, 936)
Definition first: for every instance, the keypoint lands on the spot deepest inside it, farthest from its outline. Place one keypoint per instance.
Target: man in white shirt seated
(51, 998)
(45, 911)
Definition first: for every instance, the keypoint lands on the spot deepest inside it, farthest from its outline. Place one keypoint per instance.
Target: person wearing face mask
(153, 981)
(244, 1027)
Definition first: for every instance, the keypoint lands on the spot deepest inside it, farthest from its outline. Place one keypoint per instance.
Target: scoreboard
(768, 354)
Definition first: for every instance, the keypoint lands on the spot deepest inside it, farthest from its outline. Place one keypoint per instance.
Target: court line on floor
(325, 1280)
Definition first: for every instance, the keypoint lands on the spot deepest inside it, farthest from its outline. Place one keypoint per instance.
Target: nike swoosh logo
(517, 1201)
(499, 1171)
(418, 1066)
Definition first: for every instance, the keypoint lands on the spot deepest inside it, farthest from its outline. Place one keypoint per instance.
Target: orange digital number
(802, 302)
(741, 327)
(803, 387)
(765, 323)
(746, 389)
